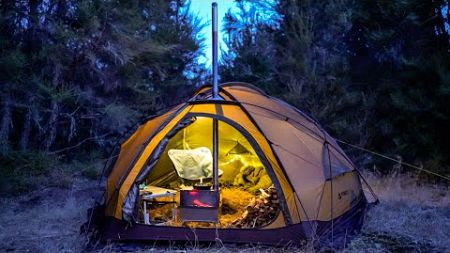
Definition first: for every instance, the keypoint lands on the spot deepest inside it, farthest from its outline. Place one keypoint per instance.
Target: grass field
(409, 218)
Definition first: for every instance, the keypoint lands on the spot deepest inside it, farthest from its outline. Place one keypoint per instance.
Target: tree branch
(78, 144)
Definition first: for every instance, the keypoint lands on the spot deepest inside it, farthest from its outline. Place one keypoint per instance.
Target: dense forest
(75, 75)
(373, 73)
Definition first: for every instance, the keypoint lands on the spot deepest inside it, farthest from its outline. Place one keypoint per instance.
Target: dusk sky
(202, 9)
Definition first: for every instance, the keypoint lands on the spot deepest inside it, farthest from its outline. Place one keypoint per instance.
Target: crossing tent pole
(215, 97)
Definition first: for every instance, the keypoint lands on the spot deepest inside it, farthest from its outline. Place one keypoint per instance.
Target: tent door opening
(247, 196)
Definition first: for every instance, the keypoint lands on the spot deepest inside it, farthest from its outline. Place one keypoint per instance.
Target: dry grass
(46, 220)
(409, 218)
(232, 207)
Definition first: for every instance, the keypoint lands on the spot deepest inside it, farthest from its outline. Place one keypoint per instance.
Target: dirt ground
(409, 218)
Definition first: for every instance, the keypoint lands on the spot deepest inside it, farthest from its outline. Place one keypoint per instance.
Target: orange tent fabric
(316, 180)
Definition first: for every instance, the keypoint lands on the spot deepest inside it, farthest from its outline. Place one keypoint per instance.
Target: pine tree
(401, 60)
(82, 72)
(250, 53)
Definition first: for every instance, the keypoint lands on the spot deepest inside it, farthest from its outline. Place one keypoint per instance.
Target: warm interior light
(238, 149)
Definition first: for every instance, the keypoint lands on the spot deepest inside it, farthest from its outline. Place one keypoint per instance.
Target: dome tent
(320, 191)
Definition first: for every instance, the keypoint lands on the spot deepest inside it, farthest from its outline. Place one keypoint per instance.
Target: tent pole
(215, 155)
(215, 97)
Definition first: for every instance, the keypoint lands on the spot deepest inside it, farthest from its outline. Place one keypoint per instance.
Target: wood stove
(199, 205)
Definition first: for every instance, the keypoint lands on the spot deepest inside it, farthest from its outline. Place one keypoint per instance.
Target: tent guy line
(393, 159)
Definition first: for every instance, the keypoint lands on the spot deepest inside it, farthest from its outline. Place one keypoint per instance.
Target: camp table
(150, 194)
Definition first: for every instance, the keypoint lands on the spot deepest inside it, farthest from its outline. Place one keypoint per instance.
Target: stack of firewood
(261, 210)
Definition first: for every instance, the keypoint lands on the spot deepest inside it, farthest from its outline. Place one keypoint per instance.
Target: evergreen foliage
(401, 58)
(76, 74)
(375, 73)
(249, 36)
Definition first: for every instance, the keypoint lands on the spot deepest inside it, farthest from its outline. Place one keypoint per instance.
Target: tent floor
(296, 234)
(263, 210)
